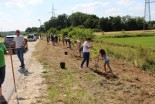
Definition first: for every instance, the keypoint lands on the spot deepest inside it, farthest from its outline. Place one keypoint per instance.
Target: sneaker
(87, 67)
(80, 68)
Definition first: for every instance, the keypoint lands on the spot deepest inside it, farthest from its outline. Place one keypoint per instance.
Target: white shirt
(86, 44)
(19, 41)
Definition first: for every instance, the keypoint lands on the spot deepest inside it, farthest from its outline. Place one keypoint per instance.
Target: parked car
(37, 36)
(31, 37)
(9, 43)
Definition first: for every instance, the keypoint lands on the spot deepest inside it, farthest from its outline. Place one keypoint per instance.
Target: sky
(20, 14)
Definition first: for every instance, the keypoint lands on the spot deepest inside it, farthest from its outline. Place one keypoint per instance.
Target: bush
(80, 33)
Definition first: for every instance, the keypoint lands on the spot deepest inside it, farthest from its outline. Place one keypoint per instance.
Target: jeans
(20, 54)
(2, 75)
(86, 56)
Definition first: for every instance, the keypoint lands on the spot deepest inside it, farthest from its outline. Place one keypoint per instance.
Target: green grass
(146, 42)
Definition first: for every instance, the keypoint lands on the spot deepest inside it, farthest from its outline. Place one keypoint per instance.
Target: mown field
(137, 48)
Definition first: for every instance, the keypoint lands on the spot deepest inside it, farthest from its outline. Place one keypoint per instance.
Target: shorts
(107, 61)
(2, 75)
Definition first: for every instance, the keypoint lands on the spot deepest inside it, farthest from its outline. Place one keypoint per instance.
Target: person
(52, 39)
(48, 38)
(63, 39)
(86, 52)
(106, 59)
(2, 71)
(56, 39)
(19, 46)
(79, 47)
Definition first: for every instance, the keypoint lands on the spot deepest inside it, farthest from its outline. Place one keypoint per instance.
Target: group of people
(67, 41)
(19, 43)
(53, 38)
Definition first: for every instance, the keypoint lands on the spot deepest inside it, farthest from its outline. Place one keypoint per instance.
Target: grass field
(120, 32)
(74, 86)
(1, 39)
(146, 42)
(136, 47)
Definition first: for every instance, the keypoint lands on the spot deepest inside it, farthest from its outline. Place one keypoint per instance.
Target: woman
(86, 52)
(2, 71)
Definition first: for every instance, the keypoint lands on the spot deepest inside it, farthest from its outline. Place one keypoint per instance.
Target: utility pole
(39, 21)
(53, 12)
(147, 12)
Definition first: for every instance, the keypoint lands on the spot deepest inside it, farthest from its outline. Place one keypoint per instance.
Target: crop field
(146, 42)
(134, 47)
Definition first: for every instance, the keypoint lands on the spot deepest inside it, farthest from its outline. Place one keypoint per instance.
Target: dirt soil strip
(8, 86)
(30, 87)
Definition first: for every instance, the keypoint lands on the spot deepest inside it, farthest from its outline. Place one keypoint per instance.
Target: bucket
(66, 53)
(62, 65)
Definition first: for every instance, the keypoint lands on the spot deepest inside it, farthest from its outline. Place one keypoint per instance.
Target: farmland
(134, 47)
(146, 42)
(73, 86)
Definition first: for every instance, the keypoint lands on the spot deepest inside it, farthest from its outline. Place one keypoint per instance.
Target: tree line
(91, 21)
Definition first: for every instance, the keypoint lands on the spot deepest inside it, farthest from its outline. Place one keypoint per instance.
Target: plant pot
(66, 53)
(62, 65)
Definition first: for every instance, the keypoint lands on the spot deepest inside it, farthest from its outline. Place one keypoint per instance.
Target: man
(2, 71)
(19, 46)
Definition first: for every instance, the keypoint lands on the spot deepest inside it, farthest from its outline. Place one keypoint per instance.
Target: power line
(147, 12)
(53, 12)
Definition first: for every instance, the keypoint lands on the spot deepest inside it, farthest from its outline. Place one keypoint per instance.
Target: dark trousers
(86, 56)
(2, 75)
(20, 54)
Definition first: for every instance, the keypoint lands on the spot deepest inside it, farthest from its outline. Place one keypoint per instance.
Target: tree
(104, 24)
(91, 22)
(77, 19)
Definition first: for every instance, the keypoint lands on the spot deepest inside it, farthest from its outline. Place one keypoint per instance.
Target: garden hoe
(10, 53)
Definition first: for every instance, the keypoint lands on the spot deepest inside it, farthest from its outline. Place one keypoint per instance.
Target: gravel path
(25, 80)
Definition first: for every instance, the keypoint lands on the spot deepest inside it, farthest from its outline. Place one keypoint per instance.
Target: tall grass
(140, 57)
(133, 41)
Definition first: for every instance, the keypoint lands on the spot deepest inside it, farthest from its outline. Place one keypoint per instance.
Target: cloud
(89, 7)
(137, 10)
(113, 12)
(125, 2)
(22, 3)
(1, 14)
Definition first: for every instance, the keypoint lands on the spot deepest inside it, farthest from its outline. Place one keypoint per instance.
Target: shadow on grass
(107, 75)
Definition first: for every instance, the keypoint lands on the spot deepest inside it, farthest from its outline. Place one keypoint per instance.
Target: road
(8, 85)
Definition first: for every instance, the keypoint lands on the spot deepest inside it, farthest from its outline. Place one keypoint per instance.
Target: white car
(9, 43)
(31, 37)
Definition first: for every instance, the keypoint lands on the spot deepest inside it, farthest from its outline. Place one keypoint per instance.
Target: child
(106, 59)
